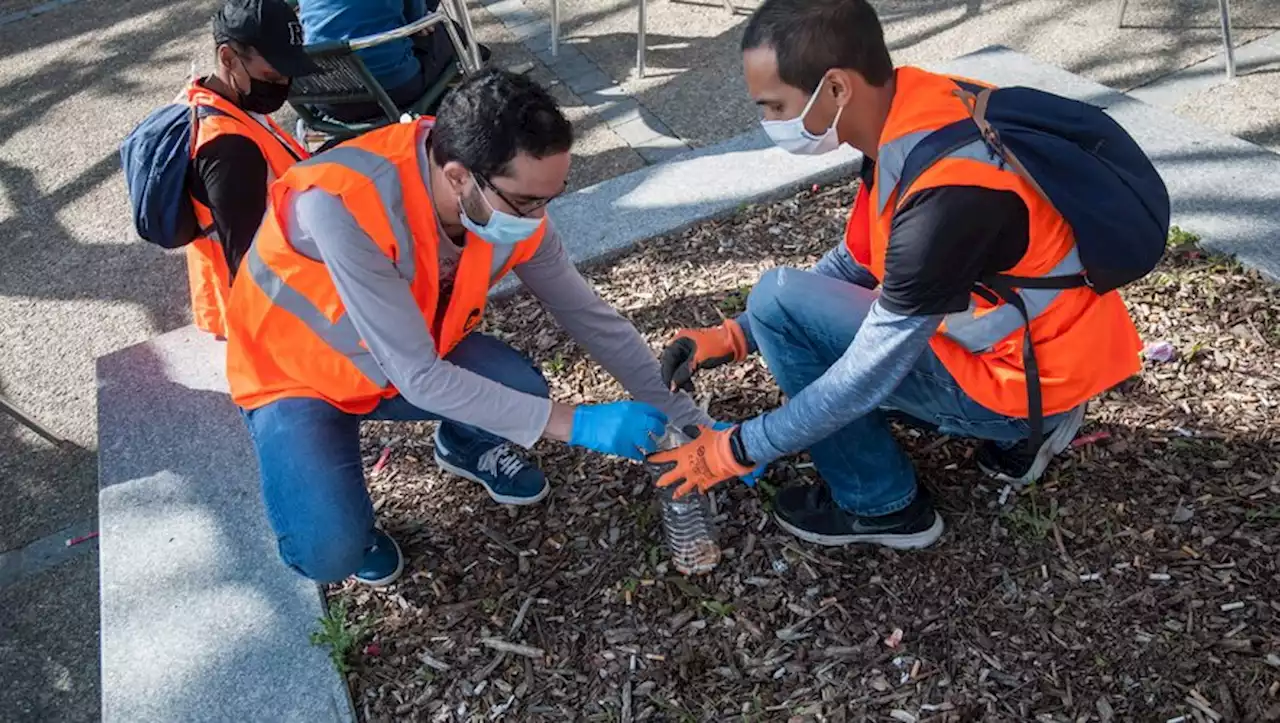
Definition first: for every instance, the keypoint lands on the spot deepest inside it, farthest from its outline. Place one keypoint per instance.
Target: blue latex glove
(627, 429)
(750, 479)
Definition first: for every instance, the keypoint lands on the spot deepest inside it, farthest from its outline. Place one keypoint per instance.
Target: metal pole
(1224, 6)
(7, 407)
(555, 28)
(469, 45)
(469, 65)
(1120, 13)
(640, 43)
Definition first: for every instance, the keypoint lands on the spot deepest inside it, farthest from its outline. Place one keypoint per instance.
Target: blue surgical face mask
(793, 137)
(503, 229)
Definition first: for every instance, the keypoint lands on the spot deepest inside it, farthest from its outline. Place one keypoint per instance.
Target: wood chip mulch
(1139, 581)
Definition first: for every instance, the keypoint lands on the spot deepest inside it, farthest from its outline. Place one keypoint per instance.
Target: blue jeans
(801, 329)
(312, 477)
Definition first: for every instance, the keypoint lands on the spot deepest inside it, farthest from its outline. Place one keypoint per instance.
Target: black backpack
(1091, 170)
(156, 156)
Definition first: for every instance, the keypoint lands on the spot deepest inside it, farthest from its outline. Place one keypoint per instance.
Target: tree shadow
(80, 19)
(46, 259)
(687, 71)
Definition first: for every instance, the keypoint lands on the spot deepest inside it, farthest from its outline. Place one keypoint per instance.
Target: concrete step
(200, 619)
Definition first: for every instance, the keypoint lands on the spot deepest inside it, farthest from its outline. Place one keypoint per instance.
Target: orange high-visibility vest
(207, 272)
(289, 333)
(1085, 343)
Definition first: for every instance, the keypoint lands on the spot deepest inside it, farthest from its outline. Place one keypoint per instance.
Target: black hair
(494, 115)
(811, 37)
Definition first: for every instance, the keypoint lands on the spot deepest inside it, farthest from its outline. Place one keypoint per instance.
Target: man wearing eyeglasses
(360, 299)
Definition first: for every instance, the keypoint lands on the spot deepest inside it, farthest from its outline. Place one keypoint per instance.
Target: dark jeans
(434, 53)
(802, 327)
(313, 482)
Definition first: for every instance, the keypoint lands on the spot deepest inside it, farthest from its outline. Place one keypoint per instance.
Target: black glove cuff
(739, 449)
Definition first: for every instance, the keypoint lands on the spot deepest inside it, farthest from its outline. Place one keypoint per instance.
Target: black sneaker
(809, 512)
(1019, 466)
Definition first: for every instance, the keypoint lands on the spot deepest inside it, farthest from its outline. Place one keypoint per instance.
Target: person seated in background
(405, 68)
(238, 149)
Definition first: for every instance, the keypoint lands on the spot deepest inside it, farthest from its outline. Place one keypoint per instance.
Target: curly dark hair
(493, 115)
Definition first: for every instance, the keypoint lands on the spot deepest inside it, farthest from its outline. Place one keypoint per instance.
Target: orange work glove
(711, 457)
(694, 349)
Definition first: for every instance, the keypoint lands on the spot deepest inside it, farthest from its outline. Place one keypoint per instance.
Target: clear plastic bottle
(687, 522)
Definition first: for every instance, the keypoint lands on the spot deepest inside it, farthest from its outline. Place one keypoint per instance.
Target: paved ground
(692, 49)
(74, 285)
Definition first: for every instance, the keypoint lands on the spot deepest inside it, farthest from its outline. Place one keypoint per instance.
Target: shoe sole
(499, 498)
(1057, 442)
(384, 581)
(911, 541)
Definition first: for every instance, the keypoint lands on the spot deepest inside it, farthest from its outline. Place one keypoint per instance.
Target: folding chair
(344, 79)
(1224, 9)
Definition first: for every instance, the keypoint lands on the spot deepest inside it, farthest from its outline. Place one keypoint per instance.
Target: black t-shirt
(229, 176)
(943, 240)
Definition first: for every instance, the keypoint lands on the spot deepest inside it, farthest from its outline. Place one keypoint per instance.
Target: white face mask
(793, 137)
(503, 229)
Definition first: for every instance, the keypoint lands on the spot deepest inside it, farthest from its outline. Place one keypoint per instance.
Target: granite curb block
(200, 619)
(1222, 188)
(1170, 90)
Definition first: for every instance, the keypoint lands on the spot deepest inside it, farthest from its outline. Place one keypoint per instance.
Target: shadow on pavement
(45, 258)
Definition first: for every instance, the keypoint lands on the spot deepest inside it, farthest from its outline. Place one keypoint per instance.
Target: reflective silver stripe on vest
(976, 333)
(979, 333)
(385, 178)
(894, 154)
(340, 335)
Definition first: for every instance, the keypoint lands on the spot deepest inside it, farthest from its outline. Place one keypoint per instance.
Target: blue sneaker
(382, 563)
(506, 475)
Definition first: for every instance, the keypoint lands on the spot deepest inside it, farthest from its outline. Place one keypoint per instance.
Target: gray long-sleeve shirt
(382, 308)
(943, 240)
(883, 351)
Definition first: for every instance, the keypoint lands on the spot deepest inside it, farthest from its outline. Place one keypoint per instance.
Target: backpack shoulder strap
(933, 148)
(1071, 281)
(944, 141)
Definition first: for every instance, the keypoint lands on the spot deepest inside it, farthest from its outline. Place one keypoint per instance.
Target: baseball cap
(269, 27)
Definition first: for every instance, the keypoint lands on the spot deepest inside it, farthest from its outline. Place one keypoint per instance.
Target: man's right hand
(627, 429)
(694, 349)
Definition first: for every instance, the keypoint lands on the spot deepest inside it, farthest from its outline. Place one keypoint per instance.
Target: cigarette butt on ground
(82, 538)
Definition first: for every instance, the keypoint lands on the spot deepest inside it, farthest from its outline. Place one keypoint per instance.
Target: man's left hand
(711, 457)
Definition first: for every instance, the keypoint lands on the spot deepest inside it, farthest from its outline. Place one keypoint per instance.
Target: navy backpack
(1083, 163)
(156, 156)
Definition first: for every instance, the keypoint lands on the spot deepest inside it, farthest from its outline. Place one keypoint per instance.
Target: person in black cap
(260, 51)
(238, 149)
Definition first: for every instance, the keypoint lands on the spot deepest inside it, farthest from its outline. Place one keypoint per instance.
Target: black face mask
(264, 96)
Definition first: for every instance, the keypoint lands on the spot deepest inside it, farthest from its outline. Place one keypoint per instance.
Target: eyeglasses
(522, 210)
